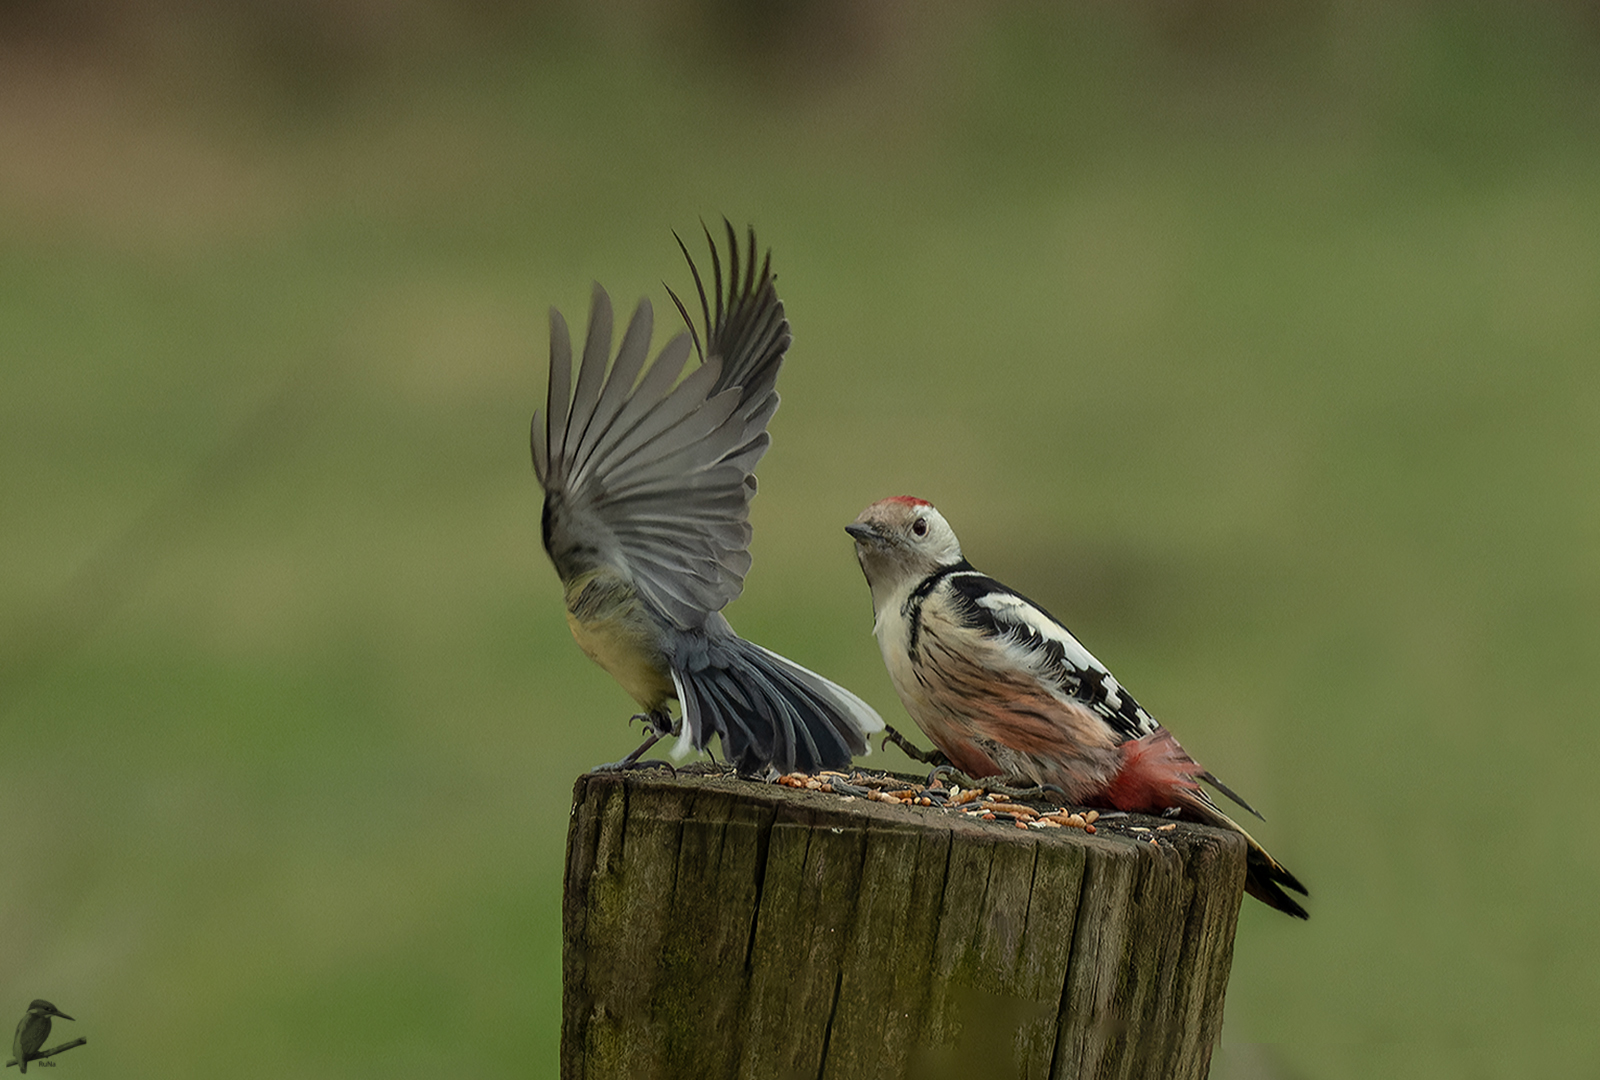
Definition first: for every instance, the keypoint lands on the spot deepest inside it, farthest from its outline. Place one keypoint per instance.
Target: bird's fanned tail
(769, 710)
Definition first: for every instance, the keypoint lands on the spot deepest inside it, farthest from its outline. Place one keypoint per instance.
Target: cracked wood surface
(716, 927)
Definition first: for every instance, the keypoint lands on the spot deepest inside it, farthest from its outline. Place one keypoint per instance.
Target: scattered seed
(974, 802)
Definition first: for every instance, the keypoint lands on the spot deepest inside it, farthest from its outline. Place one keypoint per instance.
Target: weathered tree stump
(716, 927)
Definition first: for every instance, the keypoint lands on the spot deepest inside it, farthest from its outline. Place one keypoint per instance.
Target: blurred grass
(1259, 345)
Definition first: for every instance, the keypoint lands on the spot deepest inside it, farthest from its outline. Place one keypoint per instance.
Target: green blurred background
(1261, 343)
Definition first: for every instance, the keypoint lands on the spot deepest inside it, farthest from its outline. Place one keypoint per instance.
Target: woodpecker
(32, 1031)
(646, 517)
(1004, 689)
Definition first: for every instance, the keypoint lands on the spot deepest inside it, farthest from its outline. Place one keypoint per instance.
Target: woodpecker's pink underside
(1156, 773)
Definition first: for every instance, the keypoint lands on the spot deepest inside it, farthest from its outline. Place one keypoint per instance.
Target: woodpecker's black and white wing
(1038, 641)
(1042, 643)
(652, 476)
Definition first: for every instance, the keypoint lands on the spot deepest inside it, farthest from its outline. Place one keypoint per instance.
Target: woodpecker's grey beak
(864, 534)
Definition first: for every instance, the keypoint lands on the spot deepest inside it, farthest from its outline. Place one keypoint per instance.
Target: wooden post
(717, 927)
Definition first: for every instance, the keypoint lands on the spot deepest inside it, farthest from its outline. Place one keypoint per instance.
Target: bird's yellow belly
(620, 640)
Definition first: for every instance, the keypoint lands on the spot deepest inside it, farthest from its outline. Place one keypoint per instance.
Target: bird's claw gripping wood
(944, 768)
(1030, 792)
(633, 760)
(632, 764)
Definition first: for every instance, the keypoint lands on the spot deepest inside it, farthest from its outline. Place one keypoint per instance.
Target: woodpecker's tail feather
(769, 711)
(1265, 877)
(1155, 773)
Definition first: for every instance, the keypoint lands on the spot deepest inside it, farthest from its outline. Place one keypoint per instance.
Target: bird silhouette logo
(32, 1031)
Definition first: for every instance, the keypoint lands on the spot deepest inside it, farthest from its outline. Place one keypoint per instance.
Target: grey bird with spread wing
(648, 482)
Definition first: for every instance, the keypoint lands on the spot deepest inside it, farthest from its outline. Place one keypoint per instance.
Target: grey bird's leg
(659, 725)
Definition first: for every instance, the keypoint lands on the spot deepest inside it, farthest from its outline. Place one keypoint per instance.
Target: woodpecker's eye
(920, 526)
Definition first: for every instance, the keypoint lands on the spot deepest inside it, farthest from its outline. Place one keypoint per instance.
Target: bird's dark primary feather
(747, 329)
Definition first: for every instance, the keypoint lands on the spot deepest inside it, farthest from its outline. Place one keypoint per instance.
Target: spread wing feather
(748, 331)
(655, 385)
(651, 474)
(591, 373)
(603, 431)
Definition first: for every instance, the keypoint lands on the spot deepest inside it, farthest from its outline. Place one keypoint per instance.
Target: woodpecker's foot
(633, 760)
(912, 750)
(1049, 793)
(944, 768)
